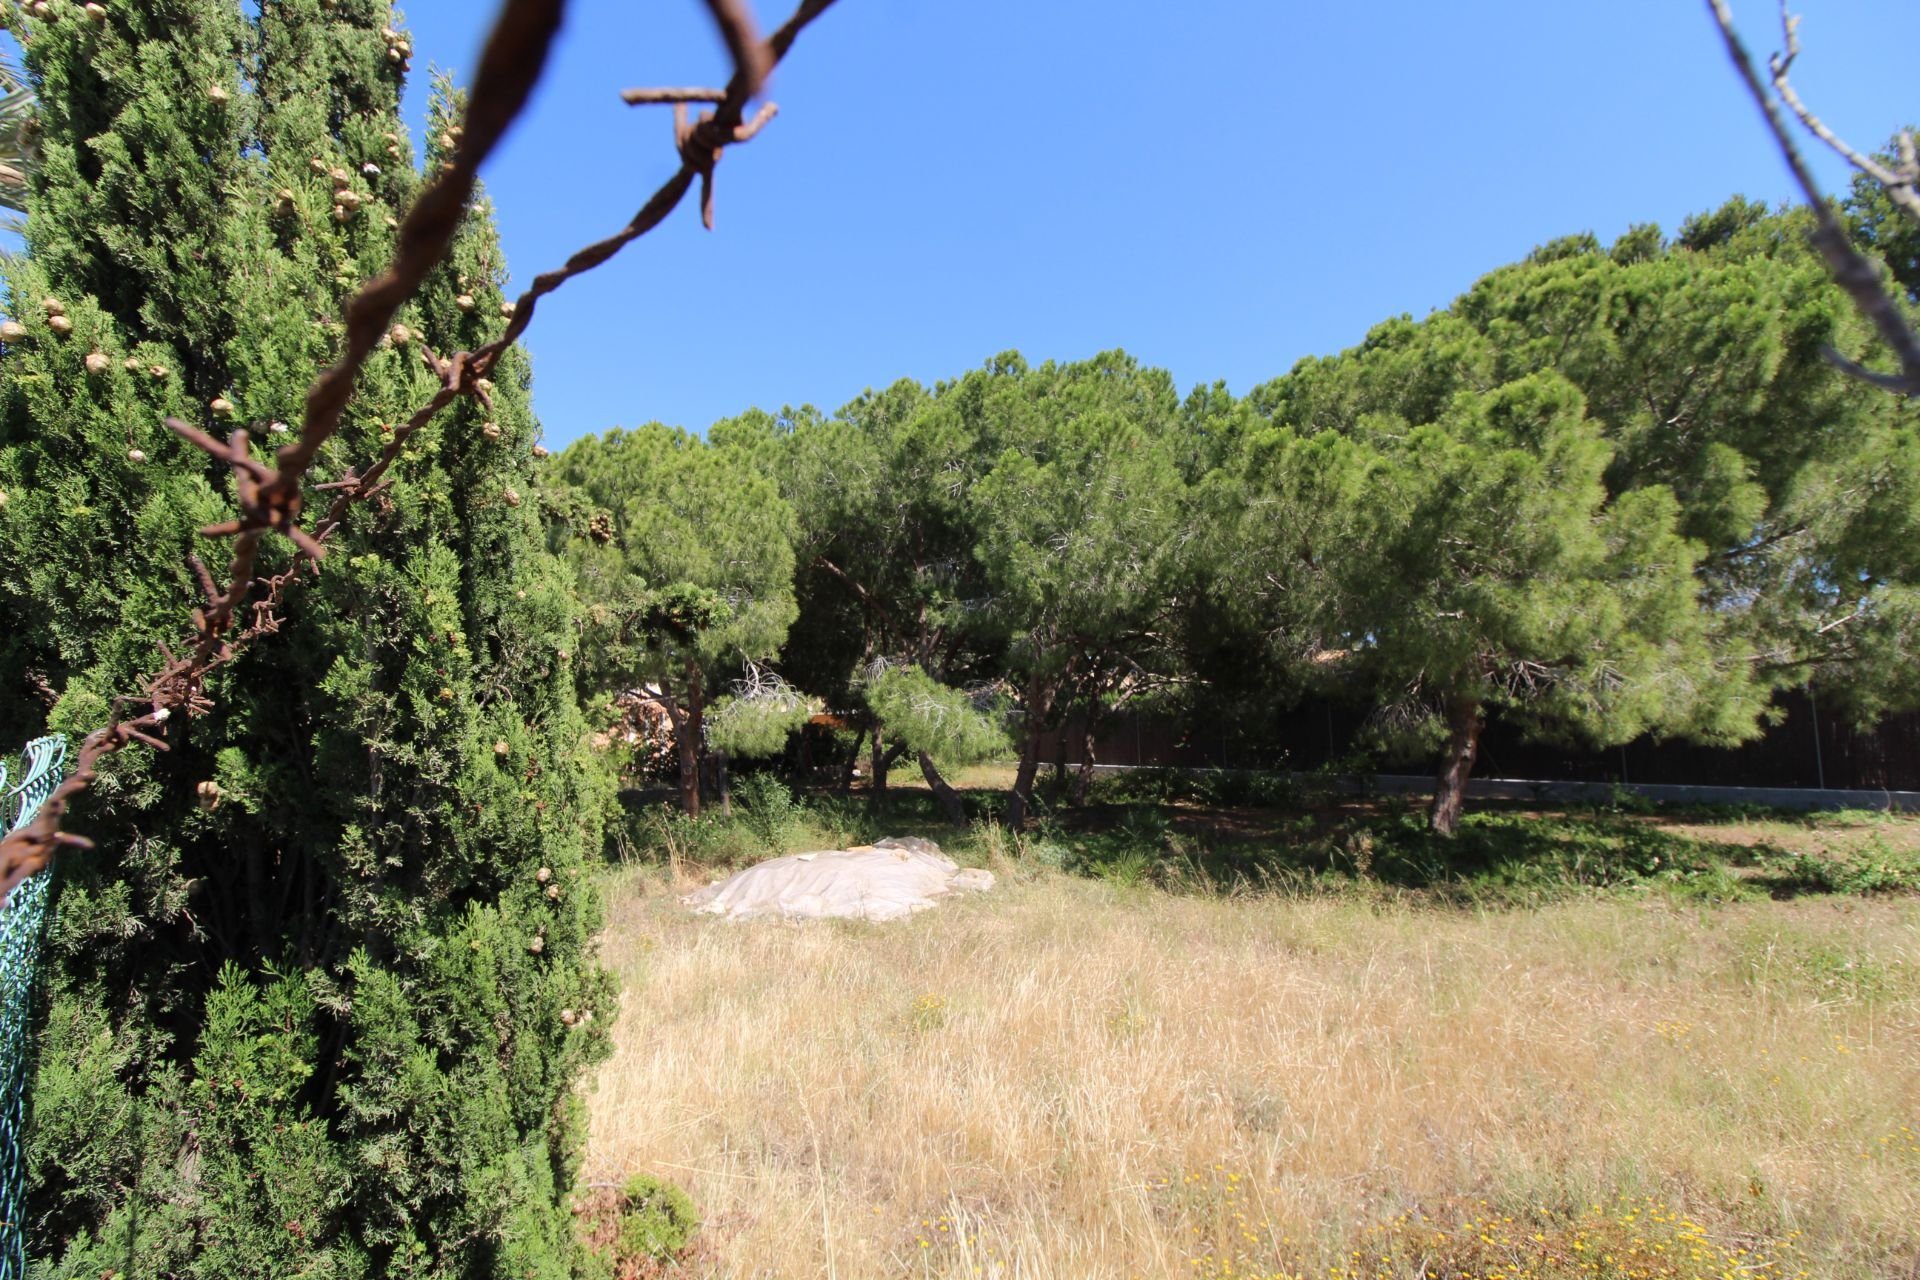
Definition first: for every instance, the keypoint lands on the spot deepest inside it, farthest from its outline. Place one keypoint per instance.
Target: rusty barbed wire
(269, 498)
(699, 145)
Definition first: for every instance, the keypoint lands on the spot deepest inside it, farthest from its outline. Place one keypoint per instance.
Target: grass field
(1077, 1076)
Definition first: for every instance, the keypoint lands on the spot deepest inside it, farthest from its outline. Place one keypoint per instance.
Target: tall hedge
(318, 1002)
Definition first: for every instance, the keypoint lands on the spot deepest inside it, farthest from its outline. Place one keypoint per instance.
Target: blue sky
(1220, 188)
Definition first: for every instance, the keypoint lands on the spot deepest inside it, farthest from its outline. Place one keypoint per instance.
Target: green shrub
(768, 811)
(657, 1220)
(666, 832)
(1877, 867)
(1250, 788)
(1127, 869)
(1530, 858)
(948, 724)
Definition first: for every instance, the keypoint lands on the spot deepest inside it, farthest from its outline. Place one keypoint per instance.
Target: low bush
(639, 1231)
(657, 1220)
(767, 809)
(1876, 866)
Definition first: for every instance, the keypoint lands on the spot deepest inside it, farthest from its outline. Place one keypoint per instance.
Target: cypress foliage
(317, 1003)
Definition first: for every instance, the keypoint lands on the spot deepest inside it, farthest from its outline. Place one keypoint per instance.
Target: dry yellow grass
(1060, 1079)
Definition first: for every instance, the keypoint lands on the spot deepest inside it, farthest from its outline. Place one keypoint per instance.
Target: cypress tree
(317, 1002)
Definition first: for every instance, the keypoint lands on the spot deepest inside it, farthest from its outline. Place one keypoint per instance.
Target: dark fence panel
(1810, 747)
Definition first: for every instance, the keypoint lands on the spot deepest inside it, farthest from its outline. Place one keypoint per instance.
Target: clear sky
(1220, 188)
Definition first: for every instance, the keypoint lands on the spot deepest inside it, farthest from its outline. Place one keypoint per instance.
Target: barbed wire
(270, 499)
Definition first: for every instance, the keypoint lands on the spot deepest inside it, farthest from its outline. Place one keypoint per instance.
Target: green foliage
(1493, 860)
(948, 724)
(758, 717)
(1882, 228)
(18, 153)
(1504, 574)
(672, 834)
(1082, 529)
(1613, 491)
(1474, 560)
(1523, 858)
(1290, 511)
(1078, 517)
(683, 562)
(768, 810)
(1704, 368)
(1877, 867)
(694, 521)
(1209, 831)
(767, 818)
(317, 1028)
(657, 1219)
(884, 547)
(1610, 492)
(1209, 787)
(747, 727)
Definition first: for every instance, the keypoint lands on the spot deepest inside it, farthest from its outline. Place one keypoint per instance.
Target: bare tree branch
(1850, 270)
(1902, 185)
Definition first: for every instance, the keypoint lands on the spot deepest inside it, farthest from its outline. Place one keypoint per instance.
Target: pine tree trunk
(877, 784)
(952, 807)
(853, 761)
(687, 736)
(1464, 723)
(723, 783)
(1039, 705)
(1083, 780)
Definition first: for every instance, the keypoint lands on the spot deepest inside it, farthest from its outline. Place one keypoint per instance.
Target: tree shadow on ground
(1505, 852)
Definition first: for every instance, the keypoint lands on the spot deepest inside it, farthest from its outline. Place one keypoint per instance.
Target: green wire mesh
(22, 920)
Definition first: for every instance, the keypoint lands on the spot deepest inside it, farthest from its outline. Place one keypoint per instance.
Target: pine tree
(685, 570)
(318, 1001)
(886, 579)
(1752, 527)
(1080, 526)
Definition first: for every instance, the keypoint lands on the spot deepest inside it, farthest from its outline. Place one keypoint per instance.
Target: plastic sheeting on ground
(886, 880)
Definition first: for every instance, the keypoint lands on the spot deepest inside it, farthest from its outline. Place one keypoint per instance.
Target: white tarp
(883, 881)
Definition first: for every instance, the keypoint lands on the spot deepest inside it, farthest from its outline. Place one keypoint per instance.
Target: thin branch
(1900, 186)
(866, 597)
(1851, 271)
